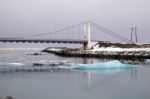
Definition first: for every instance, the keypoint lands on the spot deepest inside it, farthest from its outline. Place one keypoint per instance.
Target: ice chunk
(10, 64)
(106, 67)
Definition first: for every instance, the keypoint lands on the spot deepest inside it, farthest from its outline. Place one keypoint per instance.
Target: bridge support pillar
(87, 36)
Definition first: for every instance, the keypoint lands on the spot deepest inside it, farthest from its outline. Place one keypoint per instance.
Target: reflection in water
(106, 68)
(87, 80)
(88, 60)
(134, 73)
(125, 61)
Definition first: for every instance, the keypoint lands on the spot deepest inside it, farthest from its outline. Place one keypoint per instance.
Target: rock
(35, 54)
(38, 64)
(8, 97)
(49, 63)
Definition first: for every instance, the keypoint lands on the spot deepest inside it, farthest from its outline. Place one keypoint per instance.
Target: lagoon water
(131, 83)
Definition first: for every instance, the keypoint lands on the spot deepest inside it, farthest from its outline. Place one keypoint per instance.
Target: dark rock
(36, 54)
(8, 97)
(38, 64)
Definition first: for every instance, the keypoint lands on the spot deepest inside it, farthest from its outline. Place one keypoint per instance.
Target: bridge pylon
(87, 36)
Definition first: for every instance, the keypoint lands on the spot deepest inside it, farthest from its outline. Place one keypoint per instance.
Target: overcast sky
(37, 16)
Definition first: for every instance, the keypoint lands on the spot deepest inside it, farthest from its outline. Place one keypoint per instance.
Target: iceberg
(106, 67)
(9, 65)
(4, 64)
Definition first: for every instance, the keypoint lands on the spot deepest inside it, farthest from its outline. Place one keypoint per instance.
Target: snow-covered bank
(107, 50)
(119, 49)
(117, 53)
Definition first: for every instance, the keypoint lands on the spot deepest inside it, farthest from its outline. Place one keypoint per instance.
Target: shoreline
(141, 54)
(105, 50)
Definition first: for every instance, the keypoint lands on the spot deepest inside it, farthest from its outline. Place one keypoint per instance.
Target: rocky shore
(7, 97)
(112, 51)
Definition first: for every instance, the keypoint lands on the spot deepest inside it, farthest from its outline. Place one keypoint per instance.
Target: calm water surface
(133, 83)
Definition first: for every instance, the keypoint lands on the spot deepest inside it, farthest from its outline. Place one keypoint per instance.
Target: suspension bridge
(76, 34)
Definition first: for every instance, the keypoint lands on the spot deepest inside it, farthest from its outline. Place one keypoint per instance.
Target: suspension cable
(109, 32)
(57, 31)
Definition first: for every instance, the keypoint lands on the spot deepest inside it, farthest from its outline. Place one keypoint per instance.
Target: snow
(119, 49)
(55, 49)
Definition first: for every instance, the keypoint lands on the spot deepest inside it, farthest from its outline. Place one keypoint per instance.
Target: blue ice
(106, 67)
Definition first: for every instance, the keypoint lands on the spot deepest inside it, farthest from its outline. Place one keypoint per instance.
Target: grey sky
(38, 16)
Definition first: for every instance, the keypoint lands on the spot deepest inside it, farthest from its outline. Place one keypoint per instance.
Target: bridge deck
(42, 40)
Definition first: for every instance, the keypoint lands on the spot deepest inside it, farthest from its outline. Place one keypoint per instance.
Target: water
(132, 83)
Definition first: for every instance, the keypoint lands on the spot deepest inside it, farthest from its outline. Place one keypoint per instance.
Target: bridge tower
(87, 36)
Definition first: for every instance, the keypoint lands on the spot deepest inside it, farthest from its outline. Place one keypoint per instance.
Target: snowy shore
(120, 51)
(140, 53)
